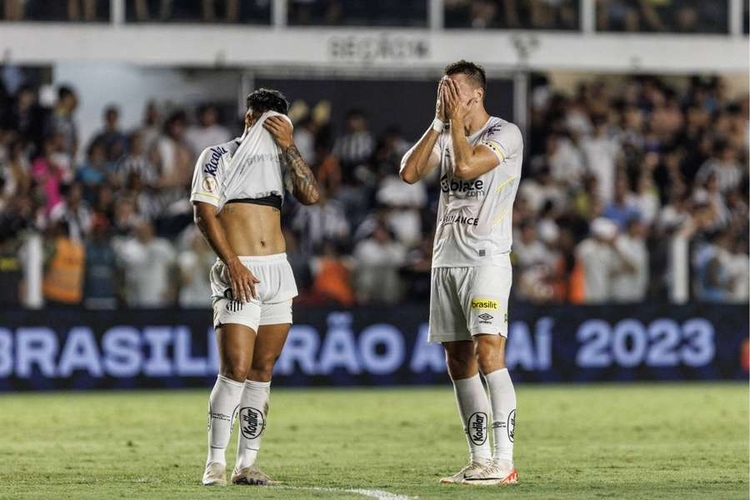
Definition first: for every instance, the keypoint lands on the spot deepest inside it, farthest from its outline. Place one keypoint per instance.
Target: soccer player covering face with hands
(479, 157)
(237, 193)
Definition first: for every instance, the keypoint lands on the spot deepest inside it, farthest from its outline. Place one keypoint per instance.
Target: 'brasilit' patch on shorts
(485, 304)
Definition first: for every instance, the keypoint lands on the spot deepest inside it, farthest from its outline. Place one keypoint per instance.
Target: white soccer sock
(503, 401)
(252, 415)
(225, 397)
(474, 409)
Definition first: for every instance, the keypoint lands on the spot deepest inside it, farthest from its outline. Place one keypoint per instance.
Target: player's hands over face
(281, 130)
(243, 282)
(439, 105)
(455, 105)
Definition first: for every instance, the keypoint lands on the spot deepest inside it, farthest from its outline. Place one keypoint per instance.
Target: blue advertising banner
(77, 349)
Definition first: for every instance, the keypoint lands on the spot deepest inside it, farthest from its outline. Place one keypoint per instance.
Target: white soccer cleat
(252, 476)
(470, 470)
(498, 472)
(215, 475)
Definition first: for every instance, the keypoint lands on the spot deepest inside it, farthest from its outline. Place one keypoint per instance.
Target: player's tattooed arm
(304, 185)
(303, 180)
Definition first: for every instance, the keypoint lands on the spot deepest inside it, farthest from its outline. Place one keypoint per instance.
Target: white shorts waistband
(261, 259)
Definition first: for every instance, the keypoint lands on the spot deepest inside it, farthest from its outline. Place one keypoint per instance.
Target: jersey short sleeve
(208, 177)
(503, 139)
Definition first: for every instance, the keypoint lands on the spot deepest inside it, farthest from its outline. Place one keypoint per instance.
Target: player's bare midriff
(252, 230)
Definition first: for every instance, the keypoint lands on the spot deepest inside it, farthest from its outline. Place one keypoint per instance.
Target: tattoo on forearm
(303, 180)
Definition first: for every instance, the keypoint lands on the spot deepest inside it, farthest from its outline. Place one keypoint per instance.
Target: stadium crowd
(633, 190)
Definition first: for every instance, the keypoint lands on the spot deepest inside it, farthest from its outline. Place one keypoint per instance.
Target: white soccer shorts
(275, 292)
(467, 301)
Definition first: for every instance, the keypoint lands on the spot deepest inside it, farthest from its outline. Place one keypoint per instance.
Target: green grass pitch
(606, 441)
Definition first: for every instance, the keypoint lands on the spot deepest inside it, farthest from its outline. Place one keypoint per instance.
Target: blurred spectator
(600, 153)
(357, 13)
(680, 16)
(714, 279)
(151, 128)
(378, 259)
(24, 116)
(513, 14)
(599, 262)
(356, 145)
(110, 136)
(64, 270)
(15, 177)
(174, 157)
(724, 165)
(138, 162)
(62, 122)
(125, 217)
(147, 262)
(94, 172)
(100, 283)
(405, 203)
(48, 174)
(74, 211)
(630, 284)
(621, 209)
(332, 282)
(324, 221)
(536, 263)
(208, 132)
(304, 138)
(195, 264)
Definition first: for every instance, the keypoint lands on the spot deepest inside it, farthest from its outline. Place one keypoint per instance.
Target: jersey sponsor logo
(252, 422)
(485, 304)
(456, 218)
(470, 189)
(477, 428)
(212, 165)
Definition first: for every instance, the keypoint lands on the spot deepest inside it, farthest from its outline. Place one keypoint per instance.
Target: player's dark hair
(473, 71)
(268, 100)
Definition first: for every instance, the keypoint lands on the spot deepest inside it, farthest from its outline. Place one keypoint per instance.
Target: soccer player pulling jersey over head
(238, 189)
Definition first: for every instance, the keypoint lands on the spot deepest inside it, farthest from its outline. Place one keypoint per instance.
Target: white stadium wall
(364, 49)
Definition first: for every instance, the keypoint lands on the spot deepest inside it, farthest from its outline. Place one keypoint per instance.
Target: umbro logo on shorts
(485, 317)
(485, 304)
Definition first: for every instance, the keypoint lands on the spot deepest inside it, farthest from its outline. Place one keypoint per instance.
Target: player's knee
(235, 371)
(490, 354)
(262, 368)
(460, 364)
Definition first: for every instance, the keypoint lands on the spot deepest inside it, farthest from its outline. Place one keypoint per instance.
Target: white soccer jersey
(247, 167)
(475, 223)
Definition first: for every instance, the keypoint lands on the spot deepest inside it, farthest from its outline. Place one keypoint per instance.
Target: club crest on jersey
(477, 428)
(485, 304)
